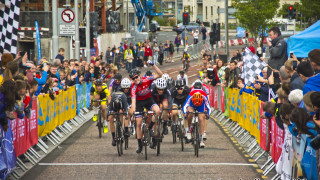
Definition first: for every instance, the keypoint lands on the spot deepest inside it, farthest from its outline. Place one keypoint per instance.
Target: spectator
(198, 21)
(135, 57)
(220, 70)
(140, 56)
(204, 32)
(184, 77)
(109, 56)
(295, 97)
(128, 56)
(5, 59)
(171, 50)
(161, 54)
(125, 45)
(314, 57)
(166, 50)
(245, 88)
(251, 47)
(97, 70)
(155, 54)
(283, 74)
(147, 54)
(235, 57)
(262, 87)
(57, 63)
(177, 42)
(295, 81)
(196, 37)
(307, 103)
(315, 101)
(60, 55)
(305, 72)
(259, 51)
(278, 49)
(233, 75)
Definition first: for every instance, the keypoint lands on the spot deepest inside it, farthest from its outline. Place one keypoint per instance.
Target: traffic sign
(67, 15)
(66, 22)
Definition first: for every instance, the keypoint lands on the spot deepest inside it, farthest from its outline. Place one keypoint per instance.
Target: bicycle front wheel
(99, 124)
(197, 142)
(118, 138)
(145, 137)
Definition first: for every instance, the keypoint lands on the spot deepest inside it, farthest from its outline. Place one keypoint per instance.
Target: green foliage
(163, 21)
(172, 21)
(255, 15)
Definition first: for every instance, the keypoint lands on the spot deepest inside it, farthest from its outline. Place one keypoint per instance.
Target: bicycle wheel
(126, 143)
(118, 141)
(99, 124)
(145, 135)
(181, 135)
(159, 136)
(174, 134)
(197, 139)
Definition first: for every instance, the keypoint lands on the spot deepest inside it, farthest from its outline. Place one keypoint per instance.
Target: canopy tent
(301, 44)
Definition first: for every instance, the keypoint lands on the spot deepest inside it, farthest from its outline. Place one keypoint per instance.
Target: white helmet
(161, 83)
(125, 83)
(165, 76)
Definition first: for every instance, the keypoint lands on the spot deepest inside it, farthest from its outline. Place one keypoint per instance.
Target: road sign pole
(55, 40)
(77, 41)
(226, 28)
(88, 30)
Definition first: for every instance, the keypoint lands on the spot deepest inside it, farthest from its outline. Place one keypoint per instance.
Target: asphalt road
(84, 156)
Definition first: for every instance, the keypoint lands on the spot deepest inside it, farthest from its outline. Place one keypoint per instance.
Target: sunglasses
(179, 88)
(136, 77)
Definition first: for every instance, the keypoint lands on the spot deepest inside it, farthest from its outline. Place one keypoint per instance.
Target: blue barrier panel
(78, 97)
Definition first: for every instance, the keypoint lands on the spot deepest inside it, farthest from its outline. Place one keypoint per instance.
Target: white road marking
(193, 75)
(144, 164)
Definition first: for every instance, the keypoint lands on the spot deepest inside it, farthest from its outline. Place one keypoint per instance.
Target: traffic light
(215, 34)
(186, 18)
(82, 37)
(291, 12)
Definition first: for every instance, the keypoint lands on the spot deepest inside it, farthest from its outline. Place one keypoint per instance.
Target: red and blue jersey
(200, 108)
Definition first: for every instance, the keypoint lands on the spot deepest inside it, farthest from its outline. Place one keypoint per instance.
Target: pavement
(84, 156)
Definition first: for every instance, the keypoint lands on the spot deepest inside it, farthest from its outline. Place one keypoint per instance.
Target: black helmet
(98, 82)
(134, 72)
(148, 73)
(118, 76)
(197, 85)
(117, 104)
(181, 72)
(179, 83)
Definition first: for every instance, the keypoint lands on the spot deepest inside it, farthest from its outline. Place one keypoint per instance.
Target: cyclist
(141, 98)
(99, 91)
(205, 88)
(169, 80)
(197, 100)
(161, 95)
(185, 60)
(115, 83)
(119, 104)
(125, 88)
(179, 95)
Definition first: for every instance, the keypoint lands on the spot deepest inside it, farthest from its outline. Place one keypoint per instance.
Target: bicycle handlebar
(117, 113)
(144, 112)
(98, 100)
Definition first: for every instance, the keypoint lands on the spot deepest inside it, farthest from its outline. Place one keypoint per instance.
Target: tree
(256, 15)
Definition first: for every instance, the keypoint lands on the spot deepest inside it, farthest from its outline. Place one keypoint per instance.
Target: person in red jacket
(147, 54)
(252, 49)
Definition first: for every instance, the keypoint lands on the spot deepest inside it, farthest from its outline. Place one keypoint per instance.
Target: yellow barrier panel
(245, 109)
(52, 113)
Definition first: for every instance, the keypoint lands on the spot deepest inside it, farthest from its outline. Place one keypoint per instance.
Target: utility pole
(77, 41)
(55, 40)
(226, 28)
(88, 30)
(176, 11)
(128, 30)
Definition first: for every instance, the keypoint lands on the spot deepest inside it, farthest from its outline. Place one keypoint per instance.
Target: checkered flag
(252, 66)
(9, 24)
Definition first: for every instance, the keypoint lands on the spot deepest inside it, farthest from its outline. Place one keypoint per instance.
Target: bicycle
(195, 132)
(98, 117)
(180, 128)
(159, 132)
(119, 132)
(145, 135)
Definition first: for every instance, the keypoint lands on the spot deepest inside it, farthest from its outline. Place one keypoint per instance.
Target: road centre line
(144, 164)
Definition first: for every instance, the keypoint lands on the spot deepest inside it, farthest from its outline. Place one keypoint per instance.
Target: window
(211, 10)
(206, 12)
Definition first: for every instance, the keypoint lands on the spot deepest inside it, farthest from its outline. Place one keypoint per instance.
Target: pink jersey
(142, 91)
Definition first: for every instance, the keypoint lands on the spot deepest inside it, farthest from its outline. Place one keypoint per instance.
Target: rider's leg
(201, 123)
(189, 119)
(165, 105)
(111, 121)
(156, 109)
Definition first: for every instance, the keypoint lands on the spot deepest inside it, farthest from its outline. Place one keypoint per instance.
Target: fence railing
(49, 119)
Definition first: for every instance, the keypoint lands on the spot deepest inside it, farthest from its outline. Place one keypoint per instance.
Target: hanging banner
(255, 118)
(78, 97)
(226, 102)
(298, 145)
(215, 98)
(277, 138)
(7, 155)
(222, 99)
(264, 131)
(88, 88)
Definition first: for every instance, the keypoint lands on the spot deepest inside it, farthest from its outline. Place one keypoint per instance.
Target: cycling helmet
(197, 99)
(98, 82)
(148, 73)
(165, 76)
(161, 83)
(198, 80)
(134, 72)
(179, 83)
(118, 76)
(125, 83)
(117, 104)
(197, 85)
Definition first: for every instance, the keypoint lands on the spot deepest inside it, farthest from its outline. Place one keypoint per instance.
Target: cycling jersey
(115, 87)
(201, 108)
(180, 99)
(186, 56)
(160, 98)
(123, 98)
(128, 95)
(104, 93)
(205, 88)
(142, 90)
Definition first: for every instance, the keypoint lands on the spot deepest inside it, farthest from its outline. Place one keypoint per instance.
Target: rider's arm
(108, 94)
(133, 104)
(207, 104)
(159, 72)
(186, 105)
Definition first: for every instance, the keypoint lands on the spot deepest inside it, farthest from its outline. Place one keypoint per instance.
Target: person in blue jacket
(305, 71)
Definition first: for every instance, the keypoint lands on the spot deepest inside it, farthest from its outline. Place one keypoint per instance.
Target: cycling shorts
(198, 108)
(147, 103)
